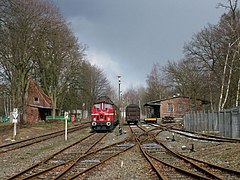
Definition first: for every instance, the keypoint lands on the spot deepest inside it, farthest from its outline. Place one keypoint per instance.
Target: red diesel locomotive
(104, 115)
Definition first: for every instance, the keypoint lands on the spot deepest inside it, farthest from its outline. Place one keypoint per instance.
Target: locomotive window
(108, 106)
(97, 106)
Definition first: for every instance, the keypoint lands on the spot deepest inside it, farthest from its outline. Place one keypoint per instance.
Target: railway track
(71, 162)
(196, 135)
(197, 167)
(91, 160)
(91, 153)
(6, 148)
(59, 160)
(169, 164)
(202, 136)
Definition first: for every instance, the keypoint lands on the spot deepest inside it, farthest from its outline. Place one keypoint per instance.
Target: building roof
(153, 103)
(187, 97)
(35, 90)
(174, 97)
(158, 102)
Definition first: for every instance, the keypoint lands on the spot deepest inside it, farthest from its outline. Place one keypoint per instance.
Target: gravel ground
(20, 159)
(224, 154)
(129, 165)
(123, 167)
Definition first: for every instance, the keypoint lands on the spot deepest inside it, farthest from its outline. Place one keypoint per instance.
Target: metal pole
(119, 98)
(119, 82)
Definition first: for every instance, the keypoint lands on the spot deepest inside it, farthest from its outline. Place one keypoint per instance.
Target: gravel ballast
(128, 165)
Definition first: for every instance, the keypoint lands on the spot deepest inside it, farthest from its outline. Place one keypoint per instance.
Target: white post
(65, 129)
(15, 115)
(14, 131)
(66, 118)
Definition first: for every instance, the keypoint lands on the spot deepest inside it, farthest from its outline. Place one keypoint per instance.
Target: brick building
(39, 104)
(176, 106)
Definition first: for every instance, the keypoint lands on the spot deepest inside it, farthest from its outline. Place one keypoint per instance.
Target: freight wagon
(132, 114)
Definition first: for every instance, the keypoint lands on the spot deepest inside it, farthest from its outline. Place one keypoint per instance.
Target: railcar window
(97, 106)
(107, 106)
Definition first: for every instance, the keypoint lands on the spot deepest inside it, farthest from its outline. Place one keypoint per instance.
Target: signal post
(15, 115)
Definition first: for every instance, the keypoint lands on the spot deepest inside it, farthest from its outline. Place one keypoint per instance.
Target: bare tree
(36, 42)
(90, 83)
(157, 87)
(18, 22)
(57, 56)
(216, 48)
(131, 96)
(97, 83)
(187, 78)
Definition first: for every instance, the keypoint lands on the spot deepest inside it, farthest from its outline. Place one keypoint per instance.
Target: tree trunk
(54, 104)
(25, 100)
(223, 81)
(222, 101)
(238, 91)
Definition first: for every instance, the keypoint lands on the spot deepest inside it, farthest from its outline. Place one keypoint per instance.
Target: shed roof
(186, 97)
(153, 103)
(158, 102)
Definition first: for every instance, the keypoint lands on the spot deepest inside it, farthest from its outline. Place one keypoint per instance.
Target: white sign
(15, 110)
(66, 115)
(15, 115)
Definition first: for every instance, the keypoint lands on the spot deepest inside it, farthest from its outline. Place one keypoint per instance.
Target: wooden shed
(176, 106)
(39, 104)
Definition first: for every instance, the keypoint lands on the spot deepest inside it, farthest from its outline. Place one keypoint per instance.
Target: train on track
(104, 115)
(132, 114)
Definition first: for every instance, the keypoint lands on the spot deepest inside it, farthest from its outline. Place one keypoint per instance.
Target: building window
(170, 107)
(180, 107)
(192, 107)
(35, 100)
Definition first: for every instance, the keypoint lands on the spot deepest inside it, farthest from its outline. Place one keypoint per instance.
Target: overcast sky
(125, 37)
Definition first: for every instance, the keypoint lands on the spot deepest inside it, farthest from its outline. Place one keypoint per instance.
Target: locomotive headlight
(108, 123)
(94, 123)
(94, 119)
(108, 118)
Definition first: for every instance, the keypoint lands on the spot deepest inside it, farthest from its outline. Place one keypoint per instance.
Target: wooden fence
(224, 123)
